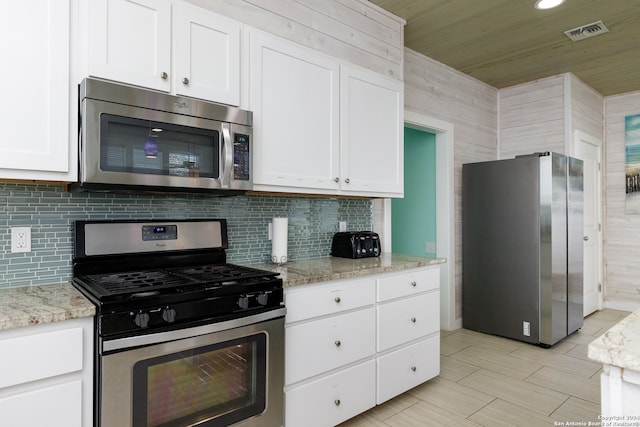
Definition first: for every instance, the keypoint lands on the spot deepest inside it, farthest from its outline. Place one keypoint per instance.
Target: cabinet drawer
(407, 319)
(39, 356)
(56, 405)
(409, 283)
(320, 300)
(319, 346)
(404, 369)
(333, 399)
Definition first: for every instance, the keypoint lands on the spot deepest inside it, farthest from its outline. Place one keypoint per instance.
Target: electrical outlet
(526, 329)
(20, 239)
(342, 226)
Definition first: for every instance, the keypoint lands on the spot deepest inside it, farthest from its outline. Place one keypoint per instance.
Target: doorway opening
(444, 216)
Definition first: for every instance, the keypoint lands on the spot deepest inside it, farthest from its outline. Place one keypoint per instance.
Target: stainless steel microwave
(138, 139)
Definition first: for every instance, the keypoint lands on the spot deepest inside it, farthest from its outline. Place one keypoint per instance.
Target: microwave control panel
(241, 157)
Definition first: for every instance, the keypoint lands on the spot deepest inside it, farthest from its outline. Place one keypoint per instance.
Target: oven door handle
(142, 340)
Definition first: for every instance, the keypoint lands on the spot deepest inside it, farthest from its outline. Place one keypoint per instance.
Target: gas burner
(136, 283)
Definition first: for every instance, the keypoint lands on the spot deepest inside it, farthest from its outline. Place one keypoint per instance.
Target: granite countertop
(33, 305)
(620, 345)
(331, 268)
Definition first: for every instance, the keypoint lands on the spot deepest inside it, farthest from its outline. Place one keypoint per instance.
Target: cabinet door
(320, 300)
(130, 41)
(319, 346)
(55, 405)
(371, 133)
(404, 369)
(35, 115)
(206, 50)
(333, 399)
(407, 319)
(294, 96)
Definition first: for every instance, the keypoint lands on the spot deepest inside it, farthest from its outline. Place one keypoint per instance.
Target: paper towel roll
(280, 234)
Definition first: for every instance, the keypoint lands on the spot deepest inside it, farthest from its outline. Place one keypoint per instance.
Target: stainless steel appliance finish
(118, 384)
(522, 247)
(182, 337)
(196, 145)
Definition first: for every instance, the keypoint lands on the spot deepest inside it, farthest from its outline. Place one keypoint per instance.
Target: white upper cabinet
(132, 41)
(322, 127)
(206, 50)
(36, 113)
(371, 133)
(295, 99)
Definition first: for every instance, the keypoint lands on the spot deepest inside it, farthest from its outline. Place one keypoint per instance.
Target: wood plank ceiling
(507, 42)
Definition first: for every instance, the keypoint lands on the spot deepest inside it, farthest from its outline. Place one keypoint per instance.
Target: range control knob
(263, 298)
(141, 319)
(169, 315)
(243, 302)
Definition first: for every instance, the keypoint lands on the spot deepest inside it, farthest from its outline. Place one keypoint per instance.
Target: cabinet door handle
(185, 81)
(336, 179)
(336, 402)
(338, 343)
(413, 368)
(164, 75)
(337, 300)
(413, 320)
(414, 284)
(347, 180)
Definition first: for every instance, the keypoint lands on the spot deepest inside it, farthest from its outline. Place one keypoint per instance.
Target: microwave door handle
(227, 156)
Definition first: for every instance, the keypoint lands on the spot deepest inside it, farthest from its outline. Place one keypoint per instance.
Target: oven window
(216, 385)
(147, 147)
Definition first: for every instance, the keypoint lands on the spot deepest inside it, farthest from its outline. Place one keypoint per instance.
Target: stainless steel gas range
(182, 337)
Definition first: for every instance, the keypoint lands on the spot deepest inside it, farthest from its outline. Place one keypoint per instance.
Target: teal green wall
(413, 218)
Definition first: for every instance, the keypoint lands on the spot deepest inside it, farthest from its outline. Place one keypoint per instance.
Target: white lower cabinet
(352, 344)
(408, 319)
(332, 399)
(58, 405)
(401, 370)
(316, 347)
(46, 375)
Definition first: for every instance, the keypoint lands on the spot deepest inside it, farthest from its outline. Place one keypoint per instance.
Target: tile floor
(491, 381)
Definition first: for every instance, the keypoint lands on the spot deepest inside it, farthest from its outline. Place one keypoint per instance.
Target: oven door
(232, 374)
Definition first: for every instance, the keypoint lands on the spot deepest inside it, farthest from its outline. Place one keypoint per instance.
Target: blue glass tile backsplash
(50, 211)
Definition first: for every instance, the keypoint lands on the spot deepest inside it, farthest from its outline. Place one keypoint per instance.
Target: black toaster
(355, 244)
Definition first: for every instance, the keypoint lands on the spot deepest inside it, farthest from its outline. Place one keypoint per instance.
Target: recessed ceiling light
(548, 4)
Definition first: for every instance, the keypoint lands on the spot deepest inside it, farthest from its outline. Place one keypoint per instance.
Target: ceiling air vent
(586, 31)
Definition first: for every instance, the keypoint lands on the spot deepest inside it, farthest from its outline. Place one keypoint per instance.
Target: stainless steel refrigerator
(522, 247)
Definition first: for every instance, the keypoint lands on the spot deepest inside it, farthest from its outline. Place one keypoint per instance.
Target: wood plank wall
(622, 231)
(532, 117)
(353, 30)
(438, 91)
(543, 115)
(587, 109)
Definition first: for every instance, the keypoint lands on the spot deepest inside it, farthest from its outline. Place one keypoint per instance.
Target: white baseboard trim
(622, 305)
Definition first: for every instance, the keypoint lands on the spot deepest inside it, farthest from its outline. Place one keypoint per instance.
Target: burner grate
(221, 274)
(134, 281)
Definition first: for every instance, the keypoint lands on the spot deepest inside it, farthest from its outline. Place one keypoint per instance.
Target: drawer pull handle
(337, 402)
(414, 284)
(413, 320)
(337, 300)
(164, 75)
(338, 343)
(413, 368)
